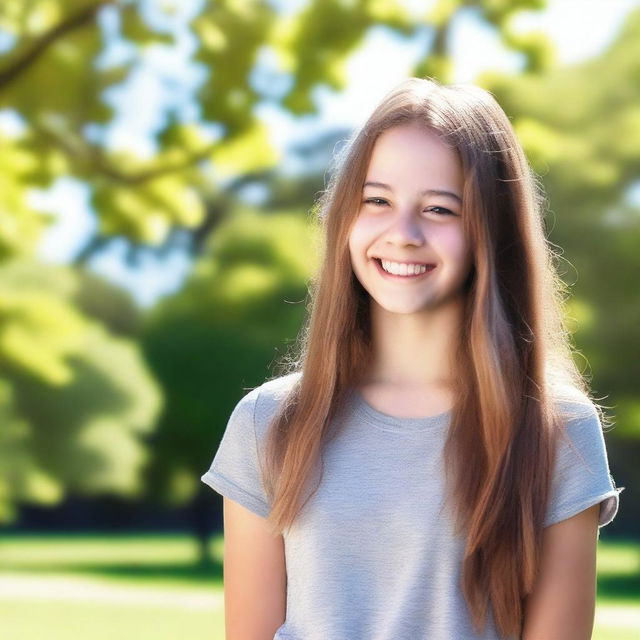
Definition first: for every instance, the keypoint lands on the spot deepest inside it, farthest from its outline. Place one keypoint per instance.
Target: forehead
(409, 153)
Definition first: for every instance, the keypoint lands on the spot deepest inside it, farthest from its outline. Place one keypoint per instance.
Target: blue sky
(167, 77)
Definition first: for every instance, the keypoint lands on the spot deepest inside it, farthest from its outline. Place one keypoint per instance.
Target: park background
(158, 164)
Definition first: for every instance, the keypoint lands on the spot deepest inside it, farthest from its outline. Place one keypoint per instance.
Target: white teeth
(401, 269)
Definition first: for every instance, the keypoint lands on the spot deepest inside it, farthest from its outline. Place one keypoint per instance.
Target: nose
(404, 230)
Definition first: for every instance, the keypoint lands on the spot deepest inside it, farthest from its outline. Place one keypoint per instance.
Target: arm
(562, 603)
(255, 579)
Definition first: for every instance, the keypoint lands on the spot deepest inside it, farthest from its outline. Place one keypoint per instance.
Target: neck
(415, 350)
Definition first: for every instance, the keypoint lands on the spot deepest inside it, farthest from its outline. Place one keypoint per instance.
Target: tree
(232, 321)
(53, 79)
(76, 398)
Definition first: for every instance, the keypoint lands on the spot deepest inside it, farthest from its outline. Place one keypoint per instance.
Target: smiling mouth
(400, 276)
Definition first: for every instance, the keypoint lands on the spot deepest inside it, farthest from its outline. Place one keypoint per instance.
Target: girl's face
(410, 215)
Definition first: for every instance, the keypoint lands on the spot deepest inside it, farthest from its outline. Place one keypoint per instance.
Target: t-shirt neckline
(384, 420)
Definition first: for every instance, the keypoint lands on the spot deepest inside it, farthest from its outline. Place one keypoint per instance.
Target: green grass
(24, 620)
(145, 587)
(618, 604)
(155, 561)
(104, 587)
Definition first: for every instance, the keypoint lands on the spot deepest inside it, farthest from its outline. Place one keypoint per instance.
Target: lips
(430, 268)
(428, 264)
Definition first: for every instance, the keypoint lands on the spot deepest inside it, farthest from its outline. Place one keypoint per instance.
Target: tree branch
(133, 179)
(93, 158)
(74, 21)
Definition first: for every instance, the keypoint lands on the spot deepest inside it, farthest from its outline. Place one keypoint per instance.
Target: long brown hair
(514, 360)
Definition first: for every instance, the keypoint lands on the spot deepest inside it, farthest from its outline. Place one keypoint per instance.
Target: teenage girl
(431, 466)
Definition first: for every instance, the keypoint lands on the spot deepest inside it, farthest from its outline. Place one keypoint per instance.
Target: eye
(376, 201)
(441, 210)
(380, 202)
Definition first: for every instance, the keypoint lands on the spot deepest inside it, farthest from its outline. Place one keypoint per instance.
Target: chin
(406, 309)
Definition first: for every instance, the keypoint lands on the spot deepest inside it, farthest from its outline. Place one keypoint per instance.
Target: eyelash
(379, 201)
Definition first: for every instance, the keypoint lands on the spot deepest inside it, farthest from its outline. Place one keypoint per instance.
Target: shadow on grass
(174, 572)
(620, 586)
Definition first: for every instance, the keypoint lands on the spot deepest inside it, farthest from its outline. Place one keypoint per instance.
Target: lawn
(149, 587)
(106, 587)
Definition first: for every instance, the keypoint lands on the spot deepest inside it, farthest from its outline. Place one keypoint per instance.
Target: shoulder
(581, 474)
(269, 393)
(580, 428)
(574, 405)
(265, 400)
(253, 413)
(278, 388)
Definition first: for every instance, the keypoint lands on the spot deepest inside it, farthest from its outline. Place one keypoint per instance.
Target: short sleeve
(581, 475)
(235, 470)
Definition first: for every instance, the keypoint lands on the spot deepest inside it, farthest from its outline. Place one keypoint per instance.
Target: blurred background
(158, 163)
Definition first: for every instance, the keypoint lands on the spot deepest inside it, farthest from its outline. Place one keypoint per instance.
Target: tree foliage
(54, 76)
(234, 318)
(87, 409)
(76, 398)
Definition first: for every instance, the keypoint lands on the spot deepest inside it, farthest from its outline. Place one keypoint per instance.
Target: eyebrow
(425, 192)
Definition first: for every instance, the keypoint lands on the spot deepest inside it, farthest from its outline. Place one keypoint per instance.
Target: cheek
(456, 245)
(358, 240)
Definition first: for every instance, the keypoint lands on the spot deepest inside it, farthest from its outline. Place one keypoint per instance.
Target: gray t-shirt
(372, 555)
